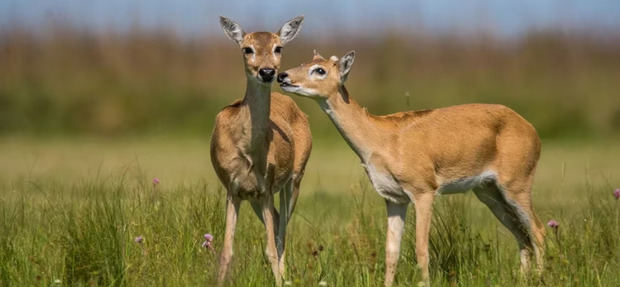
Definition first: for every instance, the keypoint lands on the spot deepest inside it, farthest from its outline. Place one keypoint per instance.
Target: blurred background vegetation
(63, 80)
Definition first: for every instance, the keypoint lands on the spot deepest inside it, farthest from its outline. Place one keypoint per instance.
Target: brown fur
(288, 137)
(260, 146)
(411, 156)
(263, 44)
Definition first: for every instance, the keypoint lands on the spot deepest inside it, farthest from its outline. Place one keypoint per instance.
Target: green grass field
(70, 210)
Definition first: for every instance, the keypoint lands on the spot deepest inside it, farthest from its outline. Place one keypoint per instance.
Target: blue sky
(190, 17)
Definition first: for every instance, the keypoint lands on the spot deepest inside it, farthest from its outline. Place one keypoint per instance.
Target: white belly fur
(385, 184)
(466, 183)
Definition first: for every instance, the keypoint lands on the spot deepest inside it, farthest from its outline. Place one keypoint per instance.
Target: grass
(70, 210)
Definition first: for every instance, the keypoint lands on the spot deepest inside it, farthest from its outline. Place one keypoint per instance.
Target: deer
(260, 144)
(414, 156)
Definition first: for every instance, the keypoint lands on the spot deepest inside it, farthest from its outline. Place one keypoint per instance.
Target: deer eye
(319, 71)
(247, 50)
(278, 50)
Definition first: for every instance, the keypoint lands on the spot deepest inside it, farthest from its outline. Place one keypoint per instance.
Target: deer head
(262, 50)
(318, 79)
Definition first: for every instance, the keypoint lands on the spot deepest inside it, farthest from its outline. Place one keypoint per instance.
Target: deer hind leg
(285, 202)
(294, 194)
(257, 206)
(521, 196)
(512, 215)
(232, 212)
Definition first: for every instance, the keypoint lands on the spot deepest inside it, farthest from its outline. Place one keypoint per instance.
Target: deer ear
(290, 29)
(345, 65)
(232, 29)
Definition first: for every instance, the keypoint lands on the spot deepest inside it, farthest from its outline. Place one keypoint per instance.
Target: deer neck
(258, 100)
(355, 124)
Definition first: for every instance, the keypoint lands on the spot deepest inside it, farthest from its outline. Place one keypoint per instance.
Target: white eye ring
(317, 71)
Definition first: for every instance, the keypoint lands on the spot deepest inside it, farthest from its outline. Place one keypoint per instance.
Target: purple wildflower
(155, 181)
(553, 224)
(617, 193)
(208, 240)
(139, 239)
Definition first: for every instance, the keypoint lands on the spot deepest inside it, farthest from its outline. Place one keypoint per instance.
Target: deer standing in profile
(260, 145)
(414, 156)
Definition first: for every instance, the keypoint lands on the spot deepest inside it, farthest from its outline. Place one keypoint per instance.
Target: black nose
(267, 74)
(282, 76)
